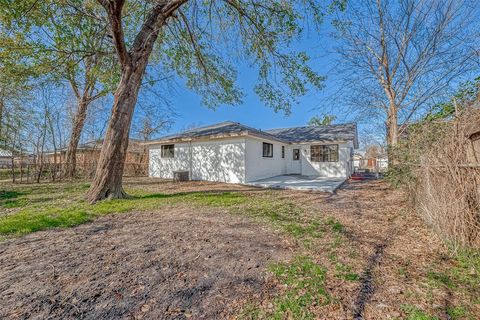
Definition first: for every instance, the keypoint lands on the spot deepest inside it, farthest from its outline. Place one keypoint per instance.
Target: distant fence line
(44, 172)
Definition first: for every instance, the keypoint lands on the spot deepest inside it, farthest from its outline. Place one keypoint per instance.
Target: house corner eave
(355, 139)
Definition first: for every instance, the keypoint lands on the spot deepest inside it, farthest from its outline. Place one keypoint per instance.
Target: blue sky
(319, 45)
(253, 112)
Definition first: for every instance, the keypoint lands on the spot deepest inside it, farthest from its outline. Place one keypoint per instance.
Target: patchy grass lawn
(39, 207)
(307, 255)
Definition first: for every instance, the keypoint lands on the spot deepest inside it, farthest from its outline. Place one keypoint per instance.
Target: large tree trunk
(107, 183)
(2, 107)
(41, 154)
(392, 136)
(70, 164)
(392, 130)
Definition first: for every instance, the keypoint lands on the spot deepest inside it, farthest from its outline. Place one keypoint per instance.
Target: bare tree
(85, 94)
(397, 56)
(149, 128)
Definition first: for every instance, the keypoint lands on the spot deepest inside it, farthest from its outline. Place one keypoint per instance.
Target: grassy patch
(335, 225)
(7, 173)
(467, 269)
(456, 312)
(414, 313)
(44, 206)
(304, 283)
(10, 199)
(5, 195)
(312, 228)
(439, 278)
(27, 222)
(344, 271)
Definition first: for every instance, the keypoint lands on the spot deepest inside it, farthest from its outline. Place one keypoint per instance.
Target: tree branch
(156, 18)
(114, 12)
(198, 52)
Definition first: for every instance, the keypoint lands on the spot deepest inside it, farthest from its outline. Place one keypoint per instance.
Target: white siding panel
(164, 167)
(241, 160)
(221, 160)
(259, 167)
(342, 168)
(215, 160)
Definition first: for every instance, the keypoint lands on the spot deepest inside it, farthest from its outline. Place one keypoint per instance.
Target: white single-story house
(234, 153)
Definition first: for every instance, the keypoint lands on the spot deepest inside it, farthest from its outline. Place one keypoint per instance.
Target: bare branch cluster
(399, 56)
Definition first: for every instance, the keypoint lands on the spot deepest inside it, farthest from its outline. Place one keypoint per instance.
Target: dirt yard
(173, 265)
(363, 253)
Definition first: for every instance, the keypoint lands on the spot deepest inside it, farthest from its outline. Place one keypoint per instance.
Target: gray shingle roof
(335, 132)
(341, 132)
(227, 128)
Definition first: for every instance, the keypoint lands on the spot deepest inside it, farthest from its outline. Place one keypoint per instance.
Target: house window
(167, 151)
(283, 152)
(296, 154)
(267, 150)
(324, 153)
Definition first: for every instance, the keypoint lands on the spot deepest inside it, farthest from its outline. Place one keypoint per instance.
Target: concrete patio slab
(299, 182)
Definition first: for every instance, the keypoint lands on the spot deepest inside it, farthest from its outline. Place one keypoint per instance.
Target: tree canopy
(322, 120)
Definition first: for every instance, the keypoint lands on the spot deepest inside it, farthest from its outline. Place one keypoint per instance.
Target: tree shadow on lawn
(6, 195)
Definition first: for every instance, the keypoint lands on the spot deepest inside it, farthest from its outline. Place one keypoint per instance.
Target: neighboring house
(19, 158)
(234, 153)
(373, 160)
(5, 158)
(382, 161)
(358, 161)
(88, 153)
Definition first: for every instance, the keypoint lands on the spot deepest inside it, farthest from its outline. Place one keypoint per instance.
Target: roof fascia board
(266, 137)
(321, 142)
(199, 139)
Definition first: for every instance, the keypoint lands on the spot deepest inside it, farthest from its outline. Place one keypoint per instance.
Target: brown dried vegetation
(441, 170)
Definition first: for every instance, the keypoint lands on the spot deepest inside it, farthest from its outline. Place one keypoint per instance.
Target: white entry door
(295, 162)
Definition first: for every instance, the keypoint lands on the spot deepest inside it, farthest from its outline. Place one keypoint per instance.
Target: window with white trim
(267, 150)
(168, 151)
(324, 153)
(296, 154)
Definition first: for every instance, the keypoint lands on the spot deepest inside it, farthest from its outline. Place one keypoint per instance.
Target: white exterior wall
(342, 168)
(240, 160)
(259, 167)
(214, 160)
(163, 167)
(221, 160)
